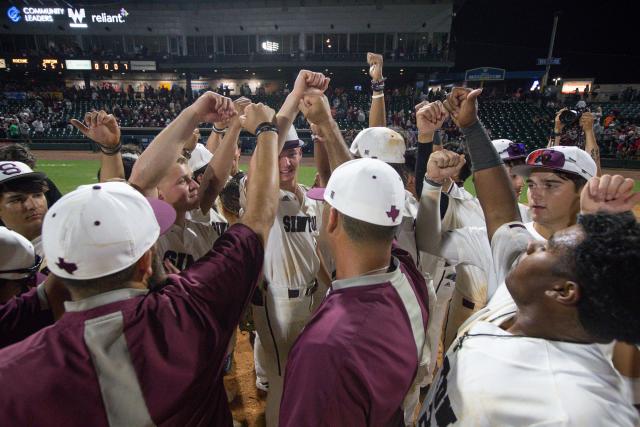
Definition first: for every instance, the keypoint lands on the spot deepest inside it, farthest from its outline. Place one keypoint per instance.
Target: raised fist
(99, 127)
(212, 107)
(462, 104)
(430, 117)
(586, 121)
(316, 109)
(375, 62)
(240, 104)
(610, 194)
(256, 114)
(309, 83)
(444, 164)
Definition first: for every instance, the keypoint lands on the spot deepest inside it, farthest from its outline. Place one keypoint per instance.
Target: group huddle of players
(387, 294)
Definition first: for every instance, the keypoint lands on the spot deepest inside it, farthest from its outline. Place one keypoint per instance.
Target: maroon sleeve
(220, 283)
(320, 389)
(21, 317)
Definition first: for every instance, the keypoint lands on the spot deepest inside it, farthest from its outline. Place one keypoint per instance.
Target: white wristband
(378, 96)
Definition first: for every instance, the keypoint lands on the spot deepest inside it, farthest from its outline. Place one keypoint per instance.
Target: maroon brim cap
(316, 193)
(164, 212)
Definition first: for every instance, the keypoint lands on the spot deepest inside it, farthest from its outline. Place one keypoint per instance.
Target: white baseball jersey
(406, 234)
(490, 377)
(219, 222)
(37, 246)
(185, 245)
(290, 258)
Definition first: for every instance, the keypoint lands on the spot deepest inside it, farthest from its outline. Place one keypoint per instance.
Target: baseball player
(19, 265)
(22, 201)
(552, 286)
(284, 300)
(187, 240)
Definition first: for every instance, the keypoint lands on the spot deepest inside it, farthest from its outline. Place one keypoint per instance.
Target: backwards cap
(101, 229)
(368, 190)
(379, 143)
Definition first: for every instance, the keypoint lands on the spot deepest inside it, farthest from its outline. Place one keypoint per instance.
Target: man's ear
(334, 218)
(144, 266)
(565, 292)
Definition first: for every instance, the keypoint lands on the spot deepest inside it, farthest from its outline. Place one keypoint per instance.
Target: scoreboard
(110, 66)
(58, 64)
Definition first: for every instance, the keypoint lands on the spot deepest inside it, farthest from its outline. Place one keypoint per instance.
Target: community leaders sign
(77, 18)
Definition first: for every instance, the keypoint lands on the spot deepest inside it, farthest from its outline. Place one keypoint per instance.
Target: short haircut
(25, 185)
(606, 266)
(515, 162)
(362, 232)
(18, 153)
(101, 284)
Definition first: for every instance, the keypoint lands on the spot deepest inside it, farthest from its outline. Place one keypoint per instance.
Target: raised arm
(591, 145)
(442, 166)
(167, 146)
(264, 182)
(217, 172)
(557, 130)
(317, 111)
(377, 114)
(103, 129)
(429, 118)
(491, 181)
(320, 155)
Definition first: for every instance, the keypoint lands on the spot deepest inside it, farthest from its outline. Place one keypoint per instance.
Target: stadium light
(270, 46)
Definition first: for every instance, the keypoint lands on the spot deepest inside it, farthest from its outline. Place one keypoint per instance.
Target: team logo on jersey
(299, 224)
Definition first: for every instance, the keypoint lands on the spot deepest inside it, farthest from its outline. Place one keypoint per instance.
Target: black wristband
(266, 127)
(432, 183)
(377, 85)
(218, 130)
(108, 151)
(482, 152)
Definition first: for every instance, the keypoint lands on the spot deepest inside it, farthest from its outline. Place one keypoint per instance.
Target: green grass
(68, 174)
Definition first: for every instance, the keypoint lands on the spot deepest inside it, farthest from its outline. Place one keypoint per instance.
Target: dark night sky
(594, 39)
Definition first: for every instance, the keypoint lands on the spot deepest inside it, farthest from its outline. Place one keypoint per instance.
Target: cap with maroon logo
(368, 190)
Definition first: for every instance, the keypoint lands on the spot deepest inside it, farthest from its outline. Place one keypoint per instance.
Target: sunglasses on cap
(29, 270)
(515, 149)
(551, 159)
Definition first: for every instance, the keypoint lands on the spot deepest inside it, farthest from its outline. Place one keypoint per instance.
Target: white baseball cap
(18, 258)
(509, 150)
(368, 190)
(379, 143)
(559, 158)
(292, 141)
(101, 229)
(200, 157)
(10, 171)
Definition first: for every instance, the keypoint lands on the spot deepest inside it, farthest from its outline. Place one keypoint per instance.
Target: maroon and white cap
(365, 189)
(11, 171)
(18, 258)
(100, 229)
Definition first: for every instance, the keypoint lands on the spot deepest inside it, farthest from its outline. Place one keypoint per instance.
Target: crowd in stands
(46, 113)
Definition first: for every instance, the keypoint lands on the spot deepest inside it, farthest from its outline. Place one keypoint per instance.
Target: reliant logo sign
(78, 17)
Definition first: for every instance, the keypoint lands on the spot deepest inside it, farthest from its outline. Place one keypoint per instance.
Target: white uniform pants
(278, 323)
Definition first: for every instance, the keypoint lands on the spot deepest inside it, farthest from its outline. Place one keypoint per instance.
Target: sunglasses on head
(552, 159)
(515, 149)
